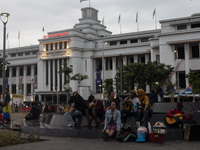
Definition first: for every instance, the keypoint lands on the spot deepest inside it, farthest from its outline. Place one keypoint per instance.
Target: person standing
(7, 107)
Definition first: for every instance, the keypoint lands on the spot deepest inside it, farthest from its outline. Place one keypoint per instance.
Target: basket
(160, 130)
(156, 138)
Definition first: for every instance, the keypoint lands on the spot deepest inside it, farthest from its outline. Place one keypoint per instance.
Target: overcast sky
(29, 16)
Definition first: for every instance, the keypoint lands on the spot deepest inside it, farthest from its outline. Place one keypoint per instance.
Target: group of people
(114, 115)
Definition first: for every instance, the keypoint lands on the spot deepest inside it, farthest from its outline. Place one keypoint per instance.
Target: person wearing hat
(174, 115)
(130, 106)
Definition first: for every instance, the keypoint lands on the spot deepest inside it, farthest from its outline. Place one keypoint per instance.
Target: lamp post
(4, 19)
(103, 69)
(178, 97)
(100, 91)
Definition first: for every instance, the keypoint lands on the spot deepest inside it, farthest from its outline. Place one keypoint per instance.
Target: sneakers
(71, 125)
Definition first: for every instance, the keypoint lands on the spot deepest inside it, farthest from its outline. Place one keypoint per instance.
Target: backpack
(125, 135)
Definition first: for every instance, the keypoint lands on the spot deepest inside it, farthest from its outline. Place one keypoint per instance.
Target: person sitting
(34, 113)
(77, 110)
(112, 122)
(145, 111)
(178, 122)
(95, 109)
(112, 99)
(130, 106)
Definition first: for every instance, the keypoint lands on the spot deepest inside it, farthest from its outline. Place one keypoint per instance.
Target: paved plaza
(58, 143)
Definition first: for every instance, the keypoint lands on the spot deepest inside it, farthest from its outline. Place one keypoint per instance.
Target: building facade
(33, 70)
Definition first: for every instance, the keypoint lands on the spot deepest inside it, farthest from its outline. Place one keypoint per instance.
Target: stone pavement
(62, 143)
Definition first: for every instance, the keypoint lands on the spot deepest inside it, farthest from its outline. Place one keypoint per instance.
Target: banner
(98, 80)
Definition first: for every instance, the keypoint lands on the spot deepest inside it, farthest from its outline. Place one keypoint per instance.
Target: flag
(7, 36)
(83, 0)
(43, 29)
(103, 21)
(119, 18)
(136, 17)
(175, 69)
(19, 35)
(154, 12)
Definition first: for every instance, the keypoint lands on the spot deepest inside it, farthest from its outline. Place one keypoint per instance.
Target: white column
(24, 81)
(17, 80)
(187, 55)
(114, 71)
(146, 58)
(49, 75)
(58, 75)
(54, 74)
(124, 60)
(135, 58)
(63, 76)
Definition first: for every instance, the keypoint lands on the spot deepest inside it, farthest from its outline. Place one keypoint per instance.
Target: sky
(30, 16)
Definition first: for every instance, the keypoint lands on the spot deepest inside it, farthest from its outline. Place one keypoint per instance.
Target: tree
(67, 72)
(108, 86)
(141, 74)
(79, 77)
(194, 81)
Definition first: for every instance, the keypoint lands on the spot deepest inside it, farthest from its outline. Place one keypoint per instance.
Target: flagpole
(155, 21)
(89, 3)
(120, 27)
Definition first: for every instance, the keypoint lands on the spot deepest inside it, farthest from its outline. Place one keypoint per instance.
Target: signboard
(55, 35)
(18, 96)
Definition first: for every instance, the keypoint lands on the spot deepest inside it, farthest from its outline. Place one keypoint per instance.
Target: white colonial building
(33, 70)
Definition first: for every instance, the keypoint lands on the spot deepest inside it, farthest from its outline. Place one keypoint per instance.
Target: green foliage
(108, 86)
(12, 138)
(141, 74)
(67, 72)
(79, 77)
(194, 80)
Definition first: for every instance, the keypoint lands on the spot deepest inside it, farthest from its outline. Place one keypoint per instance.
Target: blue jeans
(71, 116)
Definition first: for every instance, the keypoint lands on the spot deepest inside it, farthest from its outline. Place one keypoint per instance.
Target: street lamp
(4, 19)
(178, 97)
(103, 69)
(100, 90)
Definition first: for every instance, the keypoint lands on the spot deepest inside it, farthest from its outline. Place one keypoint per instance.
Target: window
(56, 46)
(130, 59)
(123, 42)
(47, 72)
(47, 47)
(113, 43)
(119, 61)
(65, 45)
(145, 40)
(13, 55)
(108, 63)
(51, 46)
(28, 89)
(35, 69)
(158, 58)
(195, 50)
(60, 45)
(99, 64)
(27, 53)
(181, 27)
(20, 54)
(34, 53)
(28, 73)
(181, 51)
(21, 71)
(14, 71)
(85, 65)
(141, 58)
(182, 82)
(134, 41)
(13, 88)
(196, 25)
